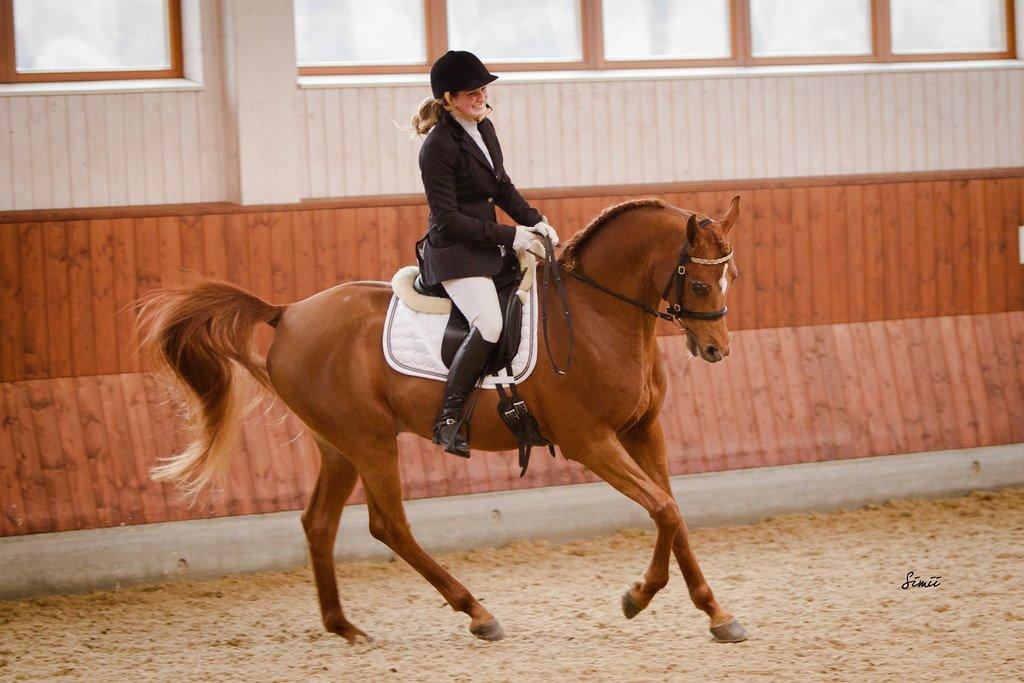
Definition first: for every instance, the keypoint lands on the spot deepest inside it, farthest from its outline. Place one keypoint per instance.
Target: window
(698, 29)
(802, 28)
(949, 26)
(348, 32)
(535, 35)
(87, 40)
(546, 30)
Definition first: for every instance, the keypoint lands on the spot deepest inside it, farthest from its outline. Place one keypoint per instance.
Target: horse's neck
(621, 262)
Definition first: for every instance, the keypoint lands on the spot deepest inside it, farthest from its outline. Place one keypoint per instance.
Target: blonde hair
(427, 115)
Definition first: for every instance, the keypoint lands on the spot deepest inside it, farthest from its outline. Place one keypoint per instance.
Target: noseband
(674, 313)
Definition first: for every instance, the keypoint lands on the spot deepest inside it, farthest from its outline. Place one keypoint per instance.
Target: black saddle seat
(437, 290)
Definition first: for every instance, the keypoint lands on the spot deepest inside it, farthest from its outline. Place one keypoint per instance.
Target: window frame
(8, 63)
(592, 37)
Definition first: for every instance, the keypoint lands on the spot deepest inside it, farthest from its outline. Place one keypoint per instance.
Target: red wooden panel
(925, 215)
(191, 234)
(57, 309)
(979, 257)
(80, 299)
(852, 402)
(215, 254)
(876, 236)
(35, 341)
(39, 414)
(875, 400)
(964, 295)
(854, 258)
(38, 515)
(942, 212)
(835, 281)
(957, 391)
(13, 513)
(123, 481)
(972, 377)
(803, 254)
(924, 387)
(904, 244)
(889, 236)
(98, 451)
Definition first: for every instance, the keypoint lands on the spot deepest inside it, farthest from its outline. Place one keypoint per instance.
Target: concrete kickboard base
(77, 561)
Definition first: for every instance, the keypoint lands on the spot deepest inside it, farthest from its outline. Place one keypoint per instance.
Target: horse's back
(337, 328)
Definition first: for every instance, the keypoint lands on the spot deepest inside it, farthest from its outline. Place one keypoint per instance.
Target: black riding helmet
(458, 70)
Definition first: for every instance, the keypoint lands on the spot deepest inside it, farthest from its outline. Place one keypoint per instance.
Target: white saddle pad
(412, 343)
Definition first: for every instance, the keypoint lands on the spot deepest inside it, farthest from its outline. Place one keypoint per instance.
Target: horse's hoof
(492, 630)
(630, 607)
(729, 632)
(352, 634)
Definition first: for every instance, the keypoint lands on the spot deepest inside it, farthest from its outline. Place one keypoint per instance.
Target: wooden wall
(683, 124)
(807, 255)
(190, 140)
(873, 318)
(128, 142)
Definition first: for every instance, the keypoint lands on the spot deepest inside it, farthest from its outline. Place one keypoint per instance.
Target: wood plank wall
(873, 318)
(807, 255)
(74, 452)
(705, 126)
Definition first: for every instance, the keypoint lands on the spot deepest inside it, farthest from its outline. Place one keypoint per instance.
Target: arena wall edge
(79, 561)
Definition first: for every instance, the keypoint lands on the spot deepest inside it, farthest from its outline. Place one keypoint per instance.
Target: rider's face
(471, 102)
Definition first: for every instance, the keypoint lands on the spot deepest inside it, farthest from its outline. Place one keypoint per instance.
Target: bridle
(674, 313)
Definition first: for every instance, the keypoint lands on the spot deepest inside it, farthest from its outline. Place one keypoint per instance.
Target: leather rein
(675, 313)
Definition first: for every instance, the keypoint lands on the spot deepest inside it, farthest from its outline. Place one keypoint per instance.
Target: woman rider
(465, 249)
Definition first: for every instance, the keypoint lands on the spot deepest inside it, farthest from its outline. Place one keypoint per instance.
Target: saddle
(511, 407)
(457, 328)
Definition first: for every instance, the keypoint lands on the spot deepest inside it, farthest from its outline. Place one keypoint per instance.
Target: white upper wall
(239, 129)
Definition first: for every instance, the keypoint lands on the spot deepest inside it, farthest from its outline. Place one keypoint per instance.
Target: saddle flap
(501, 355)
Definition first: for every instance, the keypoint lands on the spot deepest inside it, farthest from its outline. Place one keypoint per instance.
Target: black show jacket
(463, 237)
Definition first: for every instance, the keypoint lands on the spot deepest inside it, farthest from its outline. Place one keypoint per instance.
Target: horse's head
(707, 267)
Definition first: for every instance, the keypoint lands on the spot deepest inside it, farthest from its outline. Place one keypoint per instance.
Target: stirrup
(447, 434)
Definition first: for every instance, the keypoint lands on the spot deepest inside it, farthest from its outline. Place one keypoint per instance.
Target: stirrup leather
(513, 411)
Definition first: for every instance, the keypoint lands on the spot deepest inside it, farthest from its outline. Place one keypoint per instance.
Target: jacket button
(490, 199)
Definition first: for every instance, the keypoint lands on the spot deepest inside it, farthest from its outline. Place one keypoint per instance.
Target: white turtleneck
(474, 132)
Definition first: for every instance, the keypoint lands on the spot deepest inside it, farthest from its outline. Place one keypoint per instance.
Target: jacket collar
(486, 129)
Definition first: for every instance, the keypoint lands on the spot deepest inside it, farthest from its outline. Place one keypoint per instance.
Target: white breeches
(477, 298)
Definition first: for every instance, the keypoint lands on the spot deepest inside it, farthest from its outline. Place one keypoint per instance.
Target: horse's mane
(571, 249)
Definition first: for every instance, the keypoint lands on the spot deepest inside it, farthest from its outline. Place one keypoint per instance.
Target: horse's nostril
(713, 353)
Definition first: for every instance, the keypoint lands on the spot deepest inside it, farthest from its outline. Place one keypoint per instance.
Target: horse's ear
(731, 215)
(691, 229)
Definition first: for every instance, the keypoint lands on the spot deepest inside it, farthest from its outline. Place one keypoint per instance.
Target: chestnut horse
(326, 364)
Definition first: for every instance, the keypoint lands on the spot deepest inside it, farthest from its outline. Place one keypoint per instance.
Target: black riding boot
(462, 376)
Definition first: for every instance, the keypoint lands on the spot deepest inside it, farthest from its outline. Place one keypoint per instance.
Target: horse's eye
(700, 288)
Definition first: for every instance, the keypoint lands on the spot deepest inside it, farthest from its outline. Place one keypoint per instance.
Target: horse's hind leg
(334, 485)
(645, 443)
(378, 467)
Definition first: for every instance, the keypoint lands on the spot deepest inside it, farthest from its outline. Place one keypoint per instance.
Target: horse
(326, 364)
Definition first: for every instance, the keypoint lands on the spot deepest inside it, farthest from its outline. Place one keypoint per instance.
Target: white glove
(523, 239)
(543, 228)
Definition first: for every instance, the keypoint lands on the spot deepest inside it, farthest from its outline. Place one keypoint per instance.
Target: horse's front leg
(606, 458)
(645, 443)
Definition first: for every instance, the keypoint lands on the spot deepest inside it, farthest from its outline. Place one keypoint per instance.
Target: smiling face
(470, 103)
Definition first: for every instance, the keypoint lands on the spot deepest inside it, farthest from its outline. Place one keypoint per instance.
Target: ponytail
(426, 117)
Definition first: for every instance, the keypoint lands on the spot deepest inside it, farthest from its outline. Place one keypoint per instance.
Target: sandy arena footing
(820, 594)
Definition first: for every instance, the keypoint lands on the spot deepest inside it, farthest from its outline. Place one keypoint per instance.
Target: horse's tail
(200, 336)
